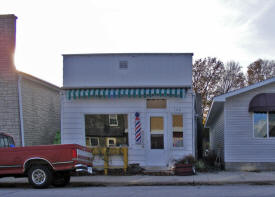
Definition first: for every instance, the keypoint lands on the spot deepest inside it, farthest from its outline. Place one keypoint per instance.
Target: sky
(239, 30)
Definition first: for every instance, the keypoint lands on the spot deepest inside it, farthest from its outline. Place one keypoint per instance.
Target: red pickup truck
(43, 165)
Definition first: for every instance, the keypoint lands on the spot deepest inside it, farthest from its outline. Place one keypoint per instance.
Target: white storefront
(104, 93)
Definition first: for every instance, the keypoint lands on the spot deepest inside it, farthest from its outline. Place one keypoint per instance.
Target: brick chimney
(9, 99)
(7, 42)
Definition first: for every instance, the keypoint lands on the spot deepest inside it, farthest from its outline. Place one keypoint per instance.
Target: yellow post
(125, 158)
(106, 160)
(107, 152)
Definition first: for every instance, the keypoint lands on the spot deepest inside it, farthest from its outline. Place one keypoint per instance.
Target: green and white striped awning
(125, 92)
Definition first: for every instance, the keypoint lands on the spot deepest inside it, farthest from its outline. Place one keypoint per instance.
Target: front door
(156, 139)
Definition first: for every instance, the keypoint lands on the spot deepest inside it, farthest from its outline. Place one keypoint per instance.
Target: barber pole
(138, 128)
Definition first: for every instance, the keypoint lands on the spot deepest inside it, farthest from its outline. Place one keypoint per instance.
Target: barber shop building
(142, 103)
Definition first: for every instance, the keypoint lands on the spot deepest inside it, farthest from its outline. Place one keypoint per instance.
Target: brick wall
(9, 111)
(41, 112)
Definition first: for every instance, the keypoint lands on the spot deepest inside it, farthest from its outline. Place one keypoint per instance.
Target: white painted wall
(144, 70)
(73, 126)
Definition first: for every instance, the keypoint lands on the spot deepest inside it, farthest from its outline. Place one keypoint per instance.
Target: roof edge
(244, 89)
(222, 98)
(33, 78)
(206, 124)
(91, 87)
(115, 54)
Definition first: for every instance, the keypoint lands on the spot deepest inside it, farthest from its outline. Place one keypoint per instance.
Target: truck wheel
(61, 179)
(40, 176)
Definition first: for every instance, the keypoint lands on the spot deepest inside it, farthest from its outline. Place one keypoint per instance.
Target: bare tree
(207, 74)
(232, 78)
(260, 70)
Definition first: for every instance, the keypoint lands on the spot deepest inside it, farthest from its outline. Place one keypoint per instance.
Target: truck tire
(40, 176)
(61, 179)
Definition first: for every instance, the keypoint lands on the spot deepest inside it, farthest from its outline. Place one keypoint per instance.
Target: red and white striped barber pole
(138, 129)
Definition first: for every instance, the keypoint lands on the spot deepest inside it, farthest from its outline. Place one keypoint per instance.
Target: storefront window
(157, 130)
(177, 131)
(106, 130)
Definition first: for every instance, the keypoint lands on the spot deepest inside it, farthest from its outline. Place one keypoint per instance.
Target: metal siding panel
(240, 145)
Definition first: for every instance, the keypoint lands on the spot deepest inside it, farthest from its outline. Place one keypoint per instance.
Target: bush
(188, 159)
(200, 166)
(57, 139)
(211, 158)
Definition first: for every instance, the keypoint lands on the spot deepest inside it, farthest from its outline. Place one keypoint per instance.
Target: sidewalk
(218, 178)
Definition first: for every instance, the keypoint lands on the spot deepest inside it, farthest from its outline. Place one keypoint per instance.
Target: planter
(184, 169)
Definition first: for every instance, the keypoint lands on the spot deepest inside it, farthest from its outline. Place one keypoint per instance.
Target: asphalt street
(142, 191)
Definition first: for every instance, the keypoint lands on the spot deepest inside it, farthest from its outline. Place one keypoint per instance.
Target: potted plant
(185, 166)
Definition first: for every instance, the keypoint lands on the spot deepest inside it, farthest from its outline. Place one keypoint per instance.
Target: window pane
(260, 125)
(6, 142)
(177, 131)
(156, 130)
(98, 129)
(157, 141)
(271, 124)
(177, 139)
(11, 142)
(2, 141)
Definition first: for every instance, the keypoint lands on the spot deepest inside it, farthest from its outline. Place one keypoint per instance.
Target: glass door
(156, 138)
(157, 132)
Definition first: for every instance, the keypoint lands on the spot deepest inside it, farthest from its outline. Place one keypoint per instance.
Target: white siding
(144, 70)
(73, 126)
(240, 145)
(217, 135)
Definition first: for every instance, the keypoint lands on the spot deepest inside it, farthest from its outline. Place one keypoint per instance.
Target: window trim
(108, 142)
(267, 128)
(174, 147)
(90, 144)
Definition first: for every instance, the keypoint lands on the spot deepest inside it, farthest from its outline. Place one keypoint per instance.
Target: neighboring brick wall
(41, 112)
(9, 107)
(9, 110)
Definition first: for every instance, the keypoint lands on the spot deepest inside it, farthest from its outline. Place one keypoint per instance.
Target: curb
(185, 183)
